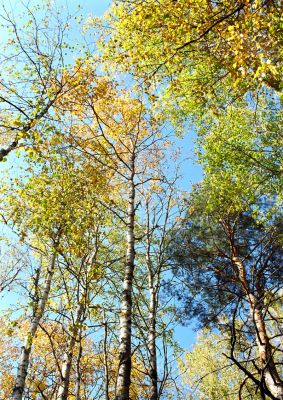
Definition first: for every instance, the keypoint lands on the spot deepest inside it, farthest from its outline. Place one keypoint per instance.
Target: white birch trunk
(124, 370)
(68, 357)
(23, 365)
(78, 372)
(153, 389)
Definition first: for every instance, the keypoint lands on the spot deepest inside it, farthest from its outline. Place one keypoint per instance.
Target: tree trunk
(22, 371)
(105, 358)
(67, 364)
(124, 370)
(270, 372)
(78, 369)
(152, 341)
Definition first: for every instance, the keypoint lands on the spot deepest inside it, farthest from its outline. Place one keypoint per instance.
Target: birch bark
(124, 370)
(153, 390)
(23, 366)
(68, 358)
(78, 370)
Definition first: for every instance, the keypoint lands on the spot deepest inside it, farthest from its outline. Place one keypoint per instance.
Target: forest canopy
(124, 274)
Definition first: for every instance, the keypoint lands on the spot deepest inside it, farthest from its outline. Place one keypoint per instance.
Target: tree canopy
(107, 250)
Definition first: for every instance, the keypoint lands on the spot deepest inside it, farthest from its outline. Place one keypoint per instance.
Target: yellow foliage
(198, 44)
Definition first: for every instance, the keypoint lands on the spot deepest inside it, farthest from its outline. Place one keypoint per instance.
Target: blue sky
(96, 7)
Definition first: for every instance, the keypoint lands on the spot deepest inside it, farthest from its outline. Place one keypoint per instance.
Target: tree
(241, 154)
(221, 69)
(134, 140)
(115, 128)
(83, 285)
(153, 318)
(231, 265)
(54, 219)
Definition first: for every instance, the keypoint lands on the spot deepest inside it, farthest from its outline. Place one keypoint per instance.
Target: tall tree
(38, 311)
(241, 153)
(116, 129)
(153, 317)
(232, 266)
(54, 215)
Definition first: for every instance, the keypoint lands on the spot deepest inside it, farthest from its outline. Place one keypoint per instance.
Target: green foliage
(241, 153)
(61, 198)
(210, 374)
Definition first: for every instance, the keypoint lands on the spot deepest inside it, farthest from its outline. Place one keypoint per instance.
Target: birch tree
(115, 129)
(161, 214)
(54, 215)
(84, 284)
(38, 311)
(216, 45)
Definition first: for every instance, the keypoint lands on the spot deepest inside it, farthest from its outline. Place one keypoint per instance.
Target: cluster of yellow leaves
(97, 100)
(49, 348)
(8, 355)
(84, 86)
(106, 121)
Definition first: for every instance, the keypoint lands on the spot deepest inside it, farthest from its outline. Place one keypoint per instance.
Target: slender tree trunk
(152, 341)
(23, 366)
(67, 364)
(105, 359)
(271, 375)
(78, 369)
(270, 372)
(153, 389)
(124, 370)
